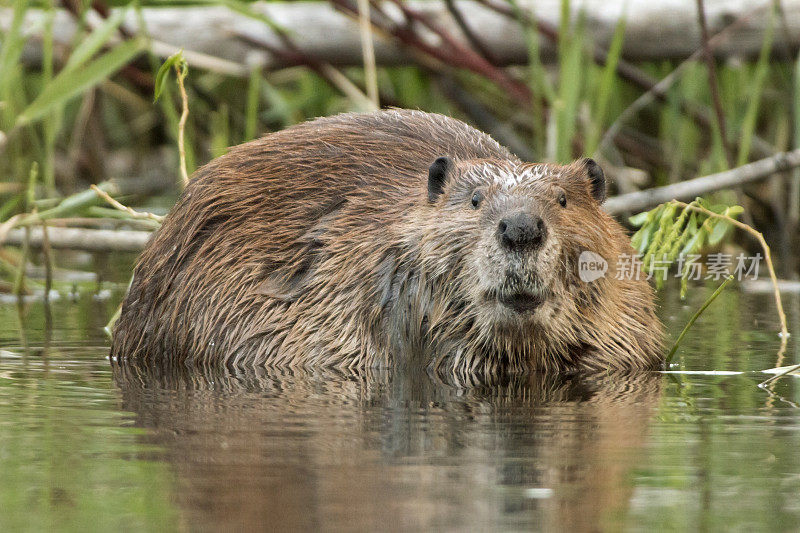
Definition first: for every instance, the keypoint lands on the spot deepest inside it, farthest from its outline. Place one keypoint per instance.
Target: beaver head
(508, 236)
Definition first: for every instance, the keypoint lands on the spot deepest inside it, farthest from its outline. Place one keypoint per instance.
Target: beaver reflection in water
(382, 239)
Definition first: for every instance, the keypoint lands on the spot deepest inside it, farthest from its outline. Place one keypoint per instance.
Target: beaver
(386, 239)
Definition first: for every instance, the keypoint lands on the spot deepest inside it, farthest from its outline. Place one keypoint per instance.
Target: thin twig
(689, 189)
(182, 125)
(201, 61)
(7, 226)
(469, 34)
(461, 55)
(786, 372)
(327, 71)
(133, 213)
(714, 84)
(368, 52)
(19, 281)
(292, 55)
(48, 263)
(695, 317)
(451, 51)
(778, 397)
(482, 117)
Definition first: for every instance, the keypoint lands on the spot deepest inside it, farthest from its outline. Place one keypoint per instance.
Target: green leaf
(688, 232)
(571, 68)
(734, 211)
(641, 238)
(665, 223)
(696, 242)
(71, 83)
(721, 228)
(676, 233)
(638, 220)
(90, 45)
(684, 285)
(692, 226)
(175, 60)
(9, 206)
(641, 241)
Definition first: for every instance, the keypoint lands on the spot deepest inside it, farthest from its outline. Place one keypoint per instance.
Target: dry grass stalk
(768, 257)
(132, 212)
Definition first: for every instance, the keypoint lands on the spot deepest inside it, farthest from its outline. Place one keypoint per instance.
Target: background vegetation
(85, 114)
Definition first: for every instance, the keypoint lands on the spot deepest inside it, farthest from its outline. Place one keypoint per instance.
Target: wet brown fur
(318, 246)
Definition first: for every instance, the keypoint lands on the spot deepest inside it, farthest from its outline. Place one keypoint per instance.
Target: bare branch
(713, 82)
(90, 240)
(688, 190)
(132, 212)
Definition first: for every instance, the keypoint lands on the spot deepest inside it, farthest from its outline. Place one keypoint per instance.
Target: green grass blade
(570, 81)
(69, 84)
(177, 61)
(794, 186)
(606, 85)
(694, 318)
(11, 50)
(253, 98)
(538, 82)
(92, 44)
(52, 122)
(71, 204)
(751, 115)
(220, 131)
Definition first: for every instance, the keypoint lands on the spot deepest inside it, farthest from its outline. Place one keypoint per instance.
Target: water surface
(85, 446)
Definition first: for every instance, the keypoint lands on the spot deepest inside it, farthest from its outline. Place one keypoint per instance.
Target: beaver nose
(521, 232)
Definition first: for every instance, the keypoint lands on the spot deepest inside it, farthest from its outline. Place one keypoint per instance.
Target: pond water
(84, 446)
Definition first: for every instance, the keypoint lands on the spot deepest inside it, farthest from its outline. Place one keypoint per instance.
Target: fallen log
(89, 240)
(224, 40)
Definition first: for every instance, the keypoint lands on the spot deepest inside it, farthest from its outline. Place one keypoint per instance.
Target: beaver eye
(477, 198)
(562, 200)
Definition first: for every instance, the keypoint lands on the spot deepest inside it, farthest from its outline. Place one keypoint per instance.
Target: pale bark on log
(89, 240)
(223, 40)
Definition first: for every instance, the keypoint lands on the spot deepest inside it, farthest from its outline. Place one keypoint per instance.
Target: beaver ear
(596, 178)
(437, 176)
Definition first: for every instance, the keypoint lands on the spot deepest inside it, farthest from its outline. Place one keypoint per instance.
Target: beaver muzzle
(522, 302)
(520, 293)
(521, 232)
